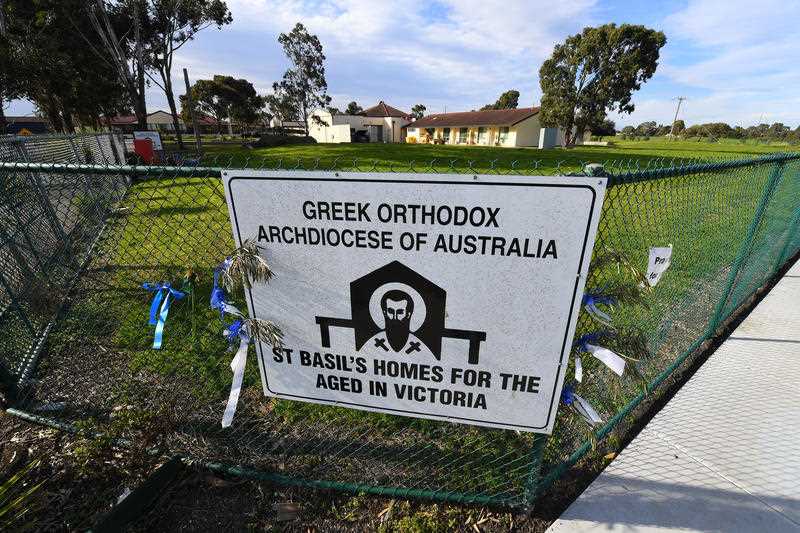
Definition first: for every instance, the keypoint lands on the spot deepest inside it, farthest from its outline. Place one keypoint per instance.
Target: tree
(225, 98)
(418, 111)
(303, 87)
(353, 108)
(125, 51)
(172, 24)
(53, 52)
(281, 107)
(10, 81)
(606, 128)
(646, 129)
(333, 110)
(507, 100)
(628, 130)
(594, 72)
(678, 127)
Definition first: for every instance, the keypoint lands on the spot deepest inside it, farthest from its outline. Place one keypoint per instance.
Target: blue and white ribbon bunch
(589, 343)
(580, 405)
(590, 303)
(159, 308)
(218, 297)
(236, 331)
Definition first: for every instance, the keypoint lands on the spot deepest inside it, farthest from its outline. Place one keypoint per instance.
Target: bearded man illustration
(397, 308)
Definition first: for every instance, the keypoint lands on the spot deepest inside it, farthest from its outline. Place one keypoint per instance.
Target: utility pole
(192, 111)
(680, 100)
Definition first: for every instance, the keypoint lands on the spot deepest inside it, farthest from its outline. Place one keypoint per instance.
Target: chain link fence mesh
(81, 232)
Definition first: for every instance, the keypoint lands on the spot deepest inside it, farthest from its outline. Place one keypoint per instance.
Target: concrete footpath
(724, 453)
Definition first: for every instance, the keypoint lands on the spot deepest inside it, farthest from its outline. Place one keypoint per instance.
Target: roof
(384, 110)
(490, 117)
(26, 120)
(122, 120)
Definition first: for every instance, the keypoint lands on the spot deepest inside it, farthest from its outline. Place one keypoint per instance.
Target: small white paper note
(658, 263)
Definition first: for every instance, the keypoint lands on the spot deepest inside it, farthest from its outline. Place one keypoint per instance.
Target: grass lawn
(425, 157)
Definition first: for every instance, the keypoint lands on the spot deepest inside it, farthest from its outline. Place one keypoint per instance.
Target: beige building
(381, 123)
(494, 127)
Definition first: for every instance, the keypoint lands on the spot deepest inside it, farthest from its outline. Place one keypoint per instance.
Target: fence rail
(78, 238)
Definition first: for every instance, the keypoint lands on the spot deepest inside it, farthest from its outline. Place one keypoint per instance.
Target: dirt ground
(79, 488)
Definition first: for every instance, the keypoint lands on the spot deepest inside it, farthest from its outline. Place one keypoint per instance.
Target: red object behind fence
(144, 149)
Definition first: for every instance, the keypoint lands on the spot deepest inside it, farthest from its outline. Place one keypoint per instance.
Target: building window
(446, 135)
(481, 135)
(503, 136)
(462, 135)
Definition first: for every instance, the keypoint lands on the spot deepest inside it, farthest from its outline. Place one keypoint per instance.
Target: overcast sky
(735, 60)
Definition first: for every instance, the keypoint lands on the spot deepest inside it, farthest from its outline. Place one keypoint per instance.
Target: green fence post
(794, 227)
(745, 249)
(534, 472)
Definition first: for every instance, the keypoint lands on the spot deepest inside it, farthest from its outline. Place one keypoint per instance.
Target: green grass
(419, 157)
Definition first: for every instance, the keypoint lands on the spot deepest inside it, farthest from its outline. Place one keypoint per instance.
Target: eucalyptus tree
(303, 88)
(596, 71)
(172, 24)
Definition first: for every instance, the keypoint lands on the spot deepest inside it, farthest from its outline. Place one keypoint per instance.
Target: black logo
(395, 309)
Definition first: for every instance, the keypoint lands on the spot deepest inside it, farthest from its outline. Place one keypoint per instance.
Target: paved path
(724, 453)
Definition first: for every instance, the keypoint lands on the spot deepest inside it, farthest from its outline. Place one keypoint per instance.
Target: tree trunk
(172, 109)
(3, 122)
(140, 105)
(53, 115)
(69, 122)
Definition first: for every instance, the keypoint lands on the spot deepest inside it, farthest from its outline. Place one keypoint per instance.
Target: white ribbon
(597, 314)
(578, 369)
(586, 410)
(237, 366)
(231, 309)
(609, 358)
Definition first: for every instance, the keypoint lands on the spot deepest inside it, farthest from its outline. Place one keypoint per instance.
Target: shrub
(268, 141)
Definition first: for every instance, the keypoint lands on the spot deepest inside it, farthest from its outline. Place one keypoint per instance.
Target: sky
(734, 60)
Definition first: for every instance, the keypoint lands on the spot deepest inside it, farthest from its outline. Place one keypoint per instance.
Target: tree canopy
(303, 88)
(48, 56)
(353, 108)
(418, 111)
(507, 100)
(594, 72)
(225, 98)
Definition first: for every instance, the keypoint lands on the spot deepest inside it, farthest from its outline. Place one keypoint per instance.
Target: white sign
(449, 297)
(658, 263)
(154, 137)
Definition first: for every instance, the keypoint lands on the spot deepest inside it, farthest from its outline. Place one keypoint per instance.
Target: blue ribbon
(234, 331)
(597, 299)
(589, 338)
(568, 395)
(164, 294)
(218, 296)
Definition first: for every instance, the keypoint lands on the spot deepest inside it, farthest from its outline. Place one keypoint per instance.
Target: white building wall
(391, 127)
(526, 133)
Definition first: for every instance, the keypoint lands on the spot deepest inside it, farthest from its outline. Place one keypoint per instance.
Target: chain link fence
(79, 237)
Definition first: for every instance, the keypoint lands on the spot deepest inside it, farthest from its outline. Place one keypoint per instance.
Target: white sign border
(597, 185)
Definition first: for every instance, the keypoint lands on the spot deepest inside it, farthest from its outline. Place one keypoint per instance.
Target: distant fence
(78, 240)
